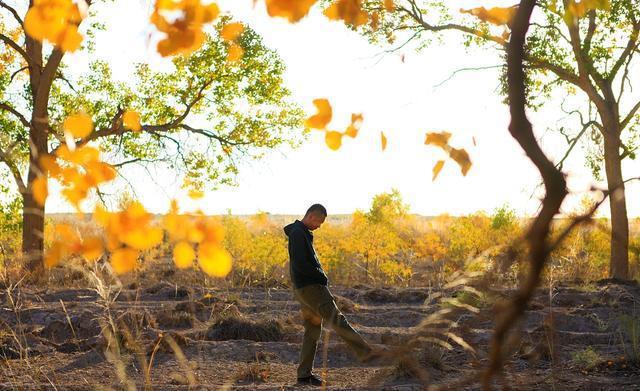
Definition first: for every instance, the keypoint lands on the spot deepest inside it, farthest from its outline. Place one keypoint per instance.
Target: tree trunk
(619, 262)
(32, 212)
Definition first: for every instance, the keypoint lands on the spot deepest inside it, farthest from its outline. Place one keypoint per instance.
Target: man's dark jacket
(304, 267)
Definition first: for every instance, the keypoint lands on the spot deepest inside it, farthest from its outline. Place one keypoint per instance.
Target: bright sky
(325, 59)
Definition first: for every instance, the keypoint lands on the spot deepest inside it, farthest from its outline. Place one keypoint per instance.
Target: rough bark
(619, 263)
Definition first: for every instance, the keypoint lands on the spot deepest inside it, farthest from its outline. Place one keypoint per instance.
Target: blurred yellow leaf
(437, 168)
(131, 120)
(231, 31)
(497, 15)
(183, 255)
(78, 125)
(389, 6)
(438, 139)
(123, 260)
(49, 165)
(383, 141)
(350, 11)
(92, 248)
(333, 139)
(40, 189)
(462, 158)
(292, 10)
(214, 260)
(55, 21)
(54, 255)
(142, 237)
(321, 119)
(354, 127)
(234, 53)
(576, 10)
(184, 32)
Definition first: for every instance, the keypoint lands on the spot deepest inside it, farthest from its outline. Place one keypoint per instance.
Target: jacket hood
(289, 228)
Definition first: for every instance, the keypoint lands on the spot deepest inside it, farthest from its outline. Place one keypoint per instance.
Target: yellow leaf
(292, 10)
(350, 11)
(321, 119)
(214, 260)
(92, 248)
(356, 123)
(437, 168)
(234, 53)
(79, 125)
(333, 139)
(462, 158)
(438, 139)
(70, 39)
(123, 260)
(131, 120)
(40, 189)
(497, 15)
(231, 31)
(49, 165)
(389, 6)
(142, 238)
(183, 255)
(383, 141)
(54, 255)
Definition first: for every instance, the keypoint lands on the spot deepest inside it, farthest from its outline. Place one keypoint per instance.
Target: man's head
(315, 216)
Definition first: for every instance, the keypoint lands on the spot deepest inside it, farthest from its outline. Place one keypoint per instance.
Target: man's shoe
(312, 380)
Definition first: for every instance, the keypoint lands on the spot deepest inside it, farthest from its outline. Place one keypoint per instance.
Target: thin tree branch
(13, 11)
(454, 73)
(15, 172)
(573, 141)
(10, 42)
(14, 74)
(630, 116)
(632, 44)
(6, 107)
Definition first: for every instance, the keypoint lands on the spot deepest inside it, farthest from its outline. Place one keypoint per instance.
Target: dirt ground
(573, 338)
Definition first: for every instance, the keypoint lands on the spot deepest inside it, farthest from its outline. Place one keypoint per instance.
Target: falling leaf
(231, 31)
(350, 11)
(462, 158)
(55, 21)
(383, 141)
(292, 10)
(183, 33)
(333, 139)
(54, 255)
(497, 15)
(576, 10)
(40, 189)
(131, 120)
(438, 139)
(321, 119)
(234, 53)
(437, 168)
(123, 260)
(78, 125)
(214, 260)
(354, 127)
(92, 248)
(49, 165)
(183, 255)
(195, 194)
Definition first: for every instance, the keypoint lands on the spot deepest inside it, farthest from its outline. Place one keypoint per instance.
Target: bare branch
(13, 11)
(573, 141)
(630, 116)
(454, 73)
(6, 107)
(632, 44)
(10, 42)
(15, 172)
(14, 74)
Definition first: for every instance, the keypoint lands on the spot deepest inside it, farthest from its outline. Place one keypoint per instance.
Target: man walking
(316, 302)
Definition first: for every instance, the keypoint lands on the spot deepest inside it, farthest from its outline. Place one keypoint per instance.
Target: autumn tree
(224, 102)
(587, 49)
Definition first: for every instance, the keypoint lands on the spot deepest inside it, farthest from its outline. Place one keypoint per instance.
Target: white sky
(325, 59)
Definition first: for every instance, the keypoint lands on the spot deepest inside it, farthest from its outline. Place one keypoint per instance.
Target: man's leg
(332, 315)
(312, 331)
(320, 300)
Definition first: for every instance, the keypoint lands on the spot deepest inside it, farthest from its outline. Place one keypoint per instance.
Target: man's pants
(318, 306)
